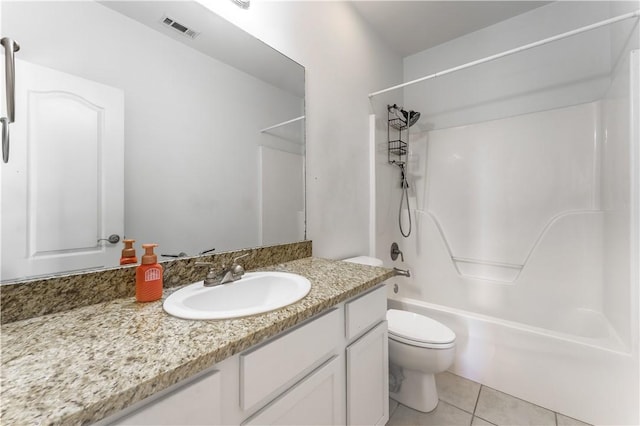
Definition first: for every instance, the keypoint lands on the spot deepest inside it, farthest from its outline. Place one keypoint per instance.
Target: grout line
(477, 400)
(555, 416)
(523, 400)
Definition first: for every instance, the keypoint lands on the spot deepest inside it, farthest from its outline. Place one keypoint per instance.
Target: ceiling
(410, 27)
(217, 38)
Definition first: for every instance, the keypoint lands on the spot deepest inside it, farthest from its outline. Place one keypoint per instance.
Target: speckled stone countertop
(79, 366)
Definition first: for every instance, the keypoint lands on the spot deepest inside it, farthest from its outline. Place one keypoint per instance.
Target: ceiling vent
(177, 26)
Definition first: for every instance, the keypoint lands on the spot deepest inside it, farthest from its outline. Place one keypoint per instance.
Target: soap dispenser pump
(149, 276)
(128, 253)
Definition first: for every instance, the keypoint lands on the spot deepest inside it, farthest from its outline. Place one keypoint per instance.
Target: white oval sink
(254, 293)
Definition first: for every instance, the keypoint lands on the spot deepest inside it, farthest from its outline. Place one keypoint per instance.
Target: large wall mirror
(157, 121)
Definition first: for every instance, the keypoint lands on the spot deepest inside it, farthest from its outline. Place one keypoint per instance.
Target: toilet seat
(417, 330)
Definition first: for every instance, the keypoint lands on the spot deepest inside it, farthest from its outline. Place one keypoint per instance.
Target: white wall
(344, 61)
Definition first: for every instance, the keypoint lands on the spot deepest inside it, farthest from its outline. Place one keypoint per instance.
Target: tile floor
(464, 402)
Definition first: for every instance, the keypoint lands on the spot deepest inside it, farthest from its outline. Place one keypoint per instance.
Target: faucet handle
(181, 254)
(236, 269)
(395, 251)
(213, 277)
(212, 271)
(235, 260)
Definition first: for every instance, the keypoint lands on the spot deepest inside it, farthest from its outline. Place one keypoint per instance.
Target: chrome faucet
(402, 272)
(227, 275)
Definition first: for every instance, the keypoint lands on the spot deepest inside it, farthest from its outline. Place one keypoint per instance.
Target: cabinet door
(196, 403)
(316, 400)
(368, 378)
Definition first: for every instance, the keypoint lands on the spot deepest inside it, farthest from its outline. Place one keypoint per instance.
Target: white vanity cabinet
(330, 370)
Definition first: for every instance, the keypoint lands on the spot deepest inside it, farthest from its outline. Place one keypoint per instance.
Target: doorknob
(113, 238)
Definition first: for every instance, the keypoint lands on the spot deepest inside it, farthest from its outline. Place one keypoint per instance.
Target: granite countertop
(79, 366)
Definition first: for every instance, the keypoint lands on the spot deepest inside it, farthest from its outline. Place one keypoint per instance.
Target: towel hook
(10, 47)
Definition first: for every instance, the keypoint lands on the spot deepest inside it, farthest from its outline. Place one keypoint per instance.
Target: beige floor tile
(502, 409)
(568, 421)
(444, 414)
(477, 421)
(457, 390)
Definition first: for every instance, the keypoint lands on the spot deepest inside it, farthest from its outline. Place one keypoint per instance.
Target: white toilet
(419, 347)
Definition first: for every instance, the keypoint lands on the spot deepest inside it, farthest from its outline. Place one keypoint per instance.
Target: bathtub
(586, 376)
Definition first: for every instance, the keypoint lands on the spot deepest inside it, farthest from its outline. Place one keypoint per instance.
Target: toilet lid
(418, 328)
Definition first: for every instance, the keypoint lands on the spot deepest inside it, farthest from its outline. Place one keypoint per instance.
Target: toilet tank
(365, 260)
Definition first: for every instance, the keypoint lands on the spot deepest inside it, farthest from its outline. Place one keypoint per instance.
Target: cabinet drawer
(365, 312)
(268, 368)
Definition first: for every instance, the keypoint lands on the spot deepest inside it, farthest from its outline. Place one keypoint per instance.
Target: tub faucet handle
(395, 251)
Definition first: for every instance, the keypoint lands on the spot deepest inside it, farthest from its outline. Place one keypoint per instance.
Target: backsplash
(44, 296)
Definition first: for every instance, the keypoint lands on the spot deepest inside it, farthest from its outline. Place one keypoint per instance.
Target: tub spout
(402, 272)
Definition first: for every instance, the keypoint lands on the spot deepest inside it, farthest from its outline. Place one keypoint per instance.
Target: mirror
(156, 121)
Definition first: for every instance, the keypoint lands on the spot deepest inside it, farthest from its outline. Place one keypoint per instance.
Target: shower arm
(10, 47)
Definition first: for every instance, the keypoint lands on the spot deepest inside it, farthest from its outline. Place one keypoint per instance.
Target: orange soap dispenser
(149, 276)
(128, 253)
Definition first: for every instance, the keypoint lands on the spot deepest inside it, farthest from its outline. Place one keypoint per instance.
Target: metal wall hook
(113, 238)
(10, 47)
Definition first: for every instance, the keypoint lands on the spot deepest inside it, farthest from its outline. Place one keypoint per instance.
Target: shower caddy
(398, 151)
(398, 146)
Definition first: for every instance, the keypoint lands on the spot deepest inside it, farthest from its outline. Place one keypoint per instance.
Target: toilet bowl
(419, 347)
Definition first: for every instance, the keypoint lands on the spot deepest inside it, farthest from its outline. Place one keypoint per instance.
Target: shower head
(410, 117)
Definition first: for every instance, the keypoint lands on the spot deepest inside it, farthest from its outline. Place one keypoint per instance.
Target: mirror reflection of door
(63, 188)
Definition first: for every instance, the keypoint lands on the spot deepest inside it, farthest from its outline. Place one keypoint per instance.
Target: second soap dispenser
(128, 253)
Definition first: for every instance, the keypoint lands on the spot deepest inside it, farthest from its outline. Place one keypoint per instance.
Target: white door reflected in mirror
(63, 189)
